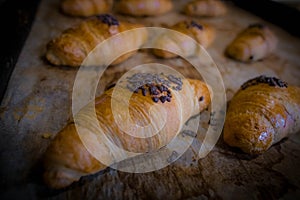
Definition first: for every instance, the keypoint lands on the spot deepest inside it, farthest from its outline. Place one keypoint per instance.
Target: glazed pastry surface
(86, 8)
(254, 43)
(202, 33)
(74, 44)
(264, 111)
(205, 8)
(144, 7)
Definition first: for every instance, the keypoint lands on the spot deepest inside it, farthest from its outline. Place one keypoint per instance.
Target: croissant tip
(57, 180)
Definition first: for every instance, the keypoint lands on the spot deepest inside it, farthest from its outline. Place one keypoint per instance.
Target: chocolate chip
(169, 93)
(178, 87)
(108, 19)
(175, 80)
(188, 133)
(271, 81)
(110, 86)
(160, 88)
(157, 84)
(163, 99)
(153, 90)
(144, 92)
(194, 24)
(155, 99)
(164, 88)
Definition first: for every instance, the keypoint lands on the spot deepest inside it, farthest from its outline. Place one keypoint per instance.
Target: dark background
(16, 17)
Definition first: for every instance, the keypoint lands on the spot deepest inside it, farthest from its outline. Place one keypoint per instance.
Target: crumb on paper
(46, 136)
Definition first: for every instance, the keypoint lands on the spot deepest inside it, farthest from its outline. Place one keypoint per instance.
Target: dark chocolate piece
(157, 84)
(110, 86)
(201, 98)
(271, 81)
(108, 19)
(155, 99)
(194, 24)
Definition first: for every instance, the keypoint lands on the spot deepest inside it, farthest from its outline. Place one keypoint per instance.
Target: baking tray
(37, 104)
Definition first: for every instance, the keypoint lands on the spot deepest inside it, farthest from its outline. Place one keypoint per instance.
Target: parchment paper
(37, 105)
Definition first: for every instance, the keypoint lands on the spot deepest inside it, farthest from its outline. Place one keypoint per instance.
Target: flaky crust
(261, 115)
(86, 8)
(205, 8)
(144, 7)
(74, 44)
(204, 34)
(67, 159)
(254, 43)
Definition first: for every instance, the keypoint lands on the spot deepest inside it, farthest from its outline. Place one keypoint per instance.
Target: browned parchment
(37, 104)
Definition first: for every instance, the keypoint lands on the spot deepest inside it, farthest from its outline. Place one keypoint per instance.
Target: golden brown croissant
(205, 8)
(86, 8)
(254, 43)
(74, 44)
(144, 7)
(261, 113)
(202, 33)
(67, 159)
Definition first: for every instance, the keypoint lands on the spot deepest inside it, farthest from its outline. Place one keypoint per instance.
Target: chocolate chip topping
(108, 19)
(194, 24)
(155, 99)
(201, 98)
(271, 81)
(157, 86)
(257, 25)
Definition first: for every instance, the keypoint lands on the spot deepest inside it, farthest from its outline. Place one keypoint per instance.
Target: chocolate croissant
(172, 42)
(67, 159)
(86, 8)
(252, 44)
(144, 7)
(74, 44)
(205, 8)
(264, 111)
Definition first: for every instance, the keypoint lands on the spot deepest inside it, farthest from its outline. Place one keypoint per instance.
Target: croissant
(205, 8)
(254, 43)
(264, 111)
(202, 33)
(74, 44)
(86, 8)
(67, 159)
(144, 7)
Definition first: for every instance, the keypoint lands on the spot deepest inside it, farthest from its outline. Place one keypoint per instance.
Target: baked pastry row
(263, 111)
(74, 44)
(85, 8)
